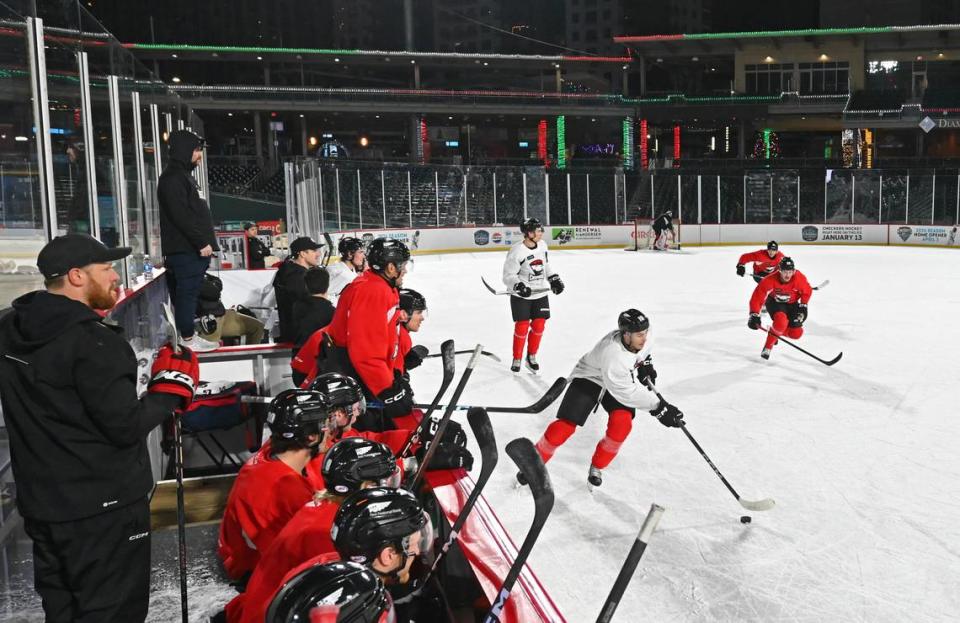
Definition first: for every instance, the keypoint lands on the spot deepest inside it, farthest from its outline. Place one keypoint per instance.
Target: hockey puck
(745, 519)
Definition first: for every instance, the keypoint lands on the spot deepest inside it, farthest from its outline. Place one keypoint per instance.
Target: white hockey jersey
(611, 366)
(340, 277)
(530, 266)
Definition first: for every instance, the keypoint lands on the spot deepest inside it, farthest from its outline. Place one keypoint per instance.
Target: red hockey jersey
(366, 323)
(306, 536)
(265, 495)
(797, 289)
(404, 344)
(763, 264)
(393, 439)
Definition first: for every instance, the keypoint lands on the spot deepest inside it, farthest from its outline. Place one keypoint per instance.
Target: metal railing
(325, 197)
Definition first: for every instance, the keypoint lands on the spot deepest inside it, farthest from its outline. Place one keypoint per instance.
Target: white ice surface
(861, 458)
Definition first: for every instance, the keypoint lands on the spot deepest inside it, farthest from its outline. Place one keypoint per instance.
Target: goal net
(642, 238)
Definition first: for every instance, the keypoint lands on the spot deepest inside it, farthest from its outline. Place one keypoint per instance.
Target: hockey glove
(522, 289)
(800, 317)
(754, 322)
(175, 373)
(415, 357)
(555, 284)
(646, 373)
(447, 456)
(741, 270)
(668, 414)
(452, 435)
(397, 399)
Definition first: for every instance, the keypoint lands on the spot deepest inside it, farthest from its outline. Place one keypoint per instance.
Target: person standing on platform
(186, 233)
(68, 388)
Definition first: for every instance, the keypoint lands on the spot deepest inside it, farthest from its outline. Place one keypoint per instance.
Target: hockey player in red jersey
(271, 487)
(527, 273)
(413, 309)
(349, 466)
(327, 592)
(365, 327)
(786, 294)
(764, 262)
(612, 375)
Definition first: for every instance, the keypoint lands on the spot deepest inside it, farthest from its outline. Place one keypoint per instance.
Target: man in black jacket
(257, 252)
(186, 230)
(289, 286)
(77, 434)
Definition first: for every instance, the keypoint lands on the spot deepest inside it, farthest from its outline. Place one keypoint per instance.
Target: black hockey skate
(532, 364)
(595, 477)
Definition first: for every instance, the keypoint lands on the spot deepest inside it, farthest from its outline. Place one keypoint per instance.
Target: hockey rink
(860, 457)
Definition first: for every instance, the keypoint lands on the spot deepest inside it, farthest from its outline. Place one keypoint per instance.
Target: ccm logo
(138, 536)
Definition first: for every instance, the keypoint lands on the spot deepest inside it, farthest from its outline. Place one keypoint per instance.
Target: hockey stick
(525, 455)
(178, 468)
(805, 352)
(542, 403)
(483, 433)
(449, 369)
(822, 285)
(760, 505)
(467, 352)
(444, 421)
(329, 240)
(630, 564)
(506, 292)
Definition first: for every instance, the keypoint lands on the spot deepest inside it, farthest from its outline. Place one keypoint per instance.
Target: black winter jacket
(68, 386)
(186, 225)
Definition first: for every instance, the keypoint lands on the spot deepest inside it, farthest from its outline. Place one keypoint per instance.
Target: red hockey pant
(780, 327)
(521, 330)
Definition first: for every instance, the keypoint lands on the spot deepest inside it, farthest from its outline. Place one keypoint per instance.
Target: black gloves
(646, 373)
(522, 289)
(741, 270)
(668, 414)
(800, 317)
(415, 357)
(555, 284)
(452, 452)
(754, 322)
(397, 399)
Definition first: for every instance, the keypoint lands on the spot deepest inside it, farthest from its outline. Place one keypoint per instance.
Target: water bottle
(147, 268)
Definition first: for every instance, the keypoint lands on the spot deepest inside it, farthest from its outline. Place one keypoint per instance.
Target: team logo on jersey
(536, 267)
(810, 233)
(481, 237)
(781, 297)
(904, 233)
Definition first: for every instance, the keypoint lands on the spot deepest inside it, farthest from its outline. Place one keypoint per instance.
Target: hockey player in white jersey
(353, 259)
(612, 375)
(528, 274)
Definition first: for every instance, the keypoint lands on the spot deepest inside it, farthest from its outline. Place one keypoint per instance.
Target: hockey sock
(520, 329)
(618, 427)
(557, 433)
(536, 334)
(779, 326)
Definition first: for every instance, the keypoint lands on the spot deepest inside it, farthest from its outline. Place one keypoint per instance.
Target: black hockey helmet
(348, 245)
(355, 460)
(411, 301)
(773, 246)
(787, 264)
(339, 390)
(633, 321)
(296, 413)
(372, 519)
(530, 225)
(383, 251)
(353, 588)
